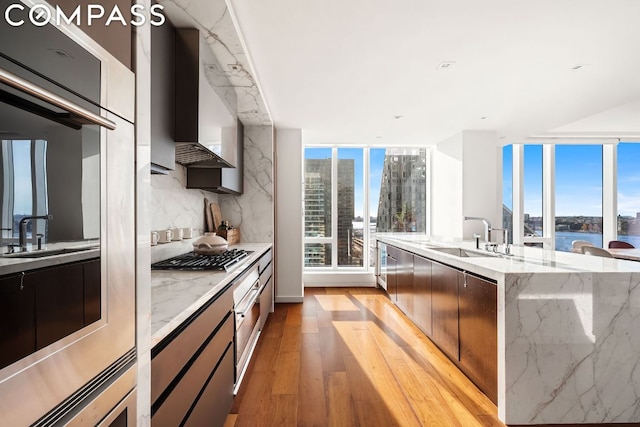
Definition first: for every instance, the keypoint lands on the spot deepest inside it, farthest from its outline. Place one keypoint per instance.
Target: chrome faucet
(505, 240)
(487, 227)
(22, 237)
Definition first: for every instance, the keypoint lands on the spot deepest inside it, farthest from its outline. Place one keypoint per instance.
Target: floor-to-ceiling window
(628, 220)
(533, 195)
(568, 192)
(353, 192)
(578, 195)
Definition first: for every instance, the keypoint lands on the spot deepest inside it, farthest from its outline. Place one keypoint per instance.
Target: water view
(564, 239)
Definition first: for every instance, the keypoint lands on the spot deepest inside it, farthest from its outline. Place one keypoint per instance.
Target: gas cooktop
(192, 261)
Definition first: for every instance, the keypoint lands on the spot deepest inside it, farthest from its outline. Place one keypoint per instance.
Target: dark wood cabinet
(219, 391)
(191, 365)
(479, 333)
(40, 307)
(163, 146)
(404, 283)
(17, 319)
(59, 302)
(444, 299)
(92, 291)
(457, 310)
(422, 316)
(392, 276)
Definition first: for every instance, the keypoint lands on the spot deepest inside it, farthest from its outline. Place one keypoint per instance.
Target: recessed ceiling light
(578, 66)
(445, 65)
(483, 117)
(378, 137)
(397, 117)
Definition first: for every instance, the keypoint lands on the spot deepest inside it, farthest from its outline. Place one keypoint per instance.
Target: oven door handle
(51, 98)
(251, 296)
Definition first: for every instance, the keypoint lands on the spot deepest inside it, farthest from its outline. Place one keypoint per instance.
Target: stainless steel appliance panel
(35, 385)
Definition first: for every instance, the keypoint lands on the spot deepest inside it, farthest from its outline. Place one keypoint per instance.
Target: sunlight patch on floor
(336, 303)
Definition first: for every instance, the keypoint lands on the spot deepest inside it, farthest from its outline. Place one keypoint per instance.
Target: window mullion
(549, 195)
(518, 194)
(609, 193)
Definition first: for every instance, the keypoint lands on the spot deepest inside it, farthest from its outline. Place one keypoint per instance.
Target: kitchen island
(567, 330)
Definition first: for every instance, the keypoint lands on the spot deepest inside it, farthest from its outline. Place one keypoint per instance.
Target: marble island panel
(568, 340)
(176, 294)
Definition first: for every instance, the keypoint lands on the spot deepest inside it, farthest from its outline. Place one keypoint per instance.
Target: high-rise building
(403, 191)
(318, 211)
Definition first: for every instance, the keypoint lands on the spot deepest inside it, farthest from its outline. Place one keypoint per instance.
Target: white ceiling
(342, 69)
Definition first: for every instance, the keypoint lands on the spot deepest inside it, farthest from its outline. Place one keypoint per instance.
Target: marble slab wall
(172, 205)
(253, 211)
(571, 350)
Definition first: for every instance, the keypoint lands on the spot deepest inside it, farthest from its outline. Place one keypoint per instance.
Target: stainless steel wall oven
(67, 174)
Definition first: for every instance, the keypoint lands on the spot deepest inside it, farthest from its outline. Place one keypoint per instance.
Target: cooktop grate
(192, 261)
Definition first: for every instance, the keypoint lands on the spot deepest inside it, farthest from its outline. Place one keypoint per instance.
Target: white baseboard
(320, 279)
(288, 300)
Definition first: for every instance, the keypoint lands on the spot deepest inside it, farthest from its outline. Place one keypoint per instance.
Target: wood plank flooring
(349, 357)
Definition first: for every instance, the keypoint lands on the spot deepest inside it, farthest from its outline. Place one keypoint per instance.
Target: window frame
(609, 189)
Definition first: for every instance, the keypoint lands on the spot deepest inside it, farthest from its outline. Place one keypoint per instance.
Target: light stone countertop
(10, 264)
(522, 260)
(568, 347)
(176, 294)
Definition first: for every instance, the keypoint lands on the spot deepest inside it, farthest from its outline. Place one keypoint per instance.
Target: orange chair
(618, 244)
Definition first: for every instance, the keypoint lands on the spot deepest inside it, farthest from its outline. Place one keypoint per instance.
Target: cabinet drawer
(213, 406)
(182, 345)
(266, 275)
(173, 410)
(265, 260)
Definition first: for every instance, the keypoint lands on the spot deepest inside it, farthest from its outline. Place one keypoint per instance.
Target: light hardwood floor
(349, 357)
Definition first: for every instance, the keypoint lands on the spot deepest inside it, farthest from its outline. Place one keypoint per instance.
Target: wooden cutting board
(208, 216)
(217, 215)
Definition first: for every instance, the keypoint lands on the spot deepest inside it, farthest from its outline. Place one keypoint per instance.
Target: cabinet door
(266, 298)
(163, 146)
(479, 333)
(444, 298)
(59, 302)
(214, 404)
(17, 319)
(422, 294)
(92, 291)
(404, 282)
(391, 276)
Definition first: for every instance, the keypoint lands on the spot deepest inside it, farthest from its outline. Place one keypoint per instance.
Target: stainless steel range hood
(206, 103)
(191, 153)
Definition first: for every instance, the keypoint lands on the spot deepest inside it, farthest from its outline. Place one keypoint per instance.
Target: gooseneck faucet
(487, 226)
(22, 236)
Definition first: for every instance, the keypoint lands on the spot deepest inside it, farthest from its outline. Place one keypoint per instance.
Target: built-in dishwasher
(246, 298)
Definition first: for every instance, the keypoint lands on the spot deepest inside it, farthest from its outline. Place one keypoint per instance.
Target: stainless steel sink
(46, 253)
(463, 253)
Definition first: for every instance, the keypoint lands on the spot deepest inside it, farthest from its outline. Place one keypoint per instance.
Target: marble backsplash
(253, 211)
(172, 205)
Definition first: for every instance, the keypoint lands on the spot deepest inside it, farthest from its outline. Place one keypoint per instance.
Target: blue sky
(578, 179)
